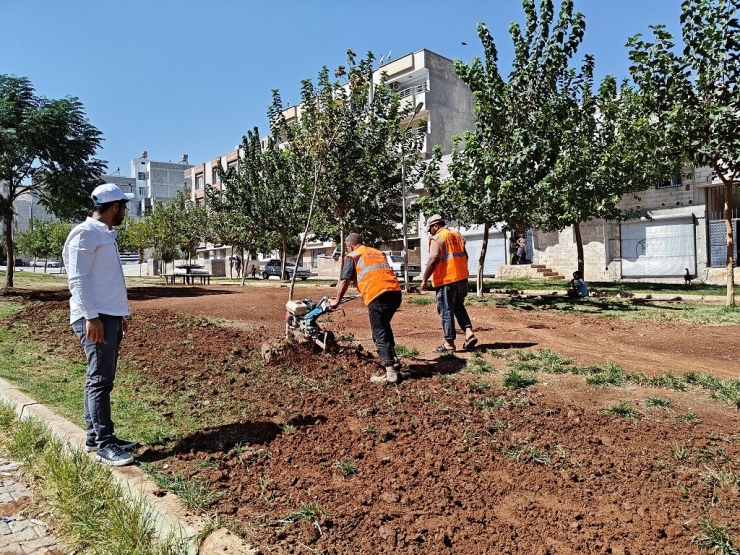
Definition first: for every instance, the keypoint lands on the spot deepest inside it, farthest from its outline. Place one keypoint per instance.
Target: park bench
(203, 277)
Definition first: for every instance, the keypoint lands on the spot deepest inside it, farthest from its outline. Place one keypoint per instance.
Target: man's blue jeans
(451, 306)
(101, 372)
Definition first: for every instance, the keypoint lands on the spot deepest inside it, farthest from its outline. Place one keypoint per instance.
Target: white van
(395, 261)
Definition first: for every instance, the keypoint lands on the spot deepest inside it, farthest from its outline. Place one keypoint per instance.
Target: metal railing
(414, 89)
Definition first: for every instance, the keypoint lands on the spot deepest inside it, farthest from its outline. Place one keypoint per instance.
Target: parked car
(41, 263)
(272, 268)
(395, 261)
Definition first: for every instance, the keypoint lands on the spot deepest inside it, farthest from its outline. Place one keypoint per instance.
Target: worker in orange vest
(381, 293)
(448, 268)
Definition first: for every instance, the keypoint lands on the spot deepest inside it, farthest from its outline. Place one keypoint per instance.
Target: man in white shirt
(98, 308)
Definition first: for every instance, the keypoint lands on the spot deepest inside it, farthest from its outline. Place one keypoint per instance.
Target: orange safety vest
(374, 275)
(452, 264)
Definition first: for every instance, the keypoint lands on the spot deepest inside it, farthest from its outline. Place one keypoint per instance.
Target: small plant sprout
(347, 468)
(656, 402)
(714, 538)
(310, 511)
(370, 430)
(679, 452)
(288, 429)
(622, 409)
(689, 416)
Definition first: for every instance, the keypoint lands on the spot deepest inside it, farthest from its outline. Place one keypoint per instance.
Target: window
(142, 176)
(141, 191)
(215, 176)
(199, 181)
(674, 181)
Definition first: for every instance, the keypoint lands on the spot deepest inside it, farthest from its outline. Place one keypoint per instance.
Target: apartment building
(682, 226)
(421, 77)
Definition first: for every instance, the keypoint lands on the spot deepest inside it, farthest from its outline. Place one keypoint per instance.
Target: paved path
(19, 534)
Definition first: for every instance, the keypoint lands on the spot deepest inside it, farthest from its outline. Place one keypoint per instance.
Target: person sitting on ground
(578, 286)
(381, 293)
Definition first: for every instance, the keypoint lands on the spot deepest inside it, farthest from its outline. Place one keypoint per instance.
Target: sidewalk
(19, 534)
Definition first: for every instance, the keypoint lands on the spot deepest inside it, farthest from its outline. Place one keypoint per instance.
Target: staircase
(545, 272)
(533, 271)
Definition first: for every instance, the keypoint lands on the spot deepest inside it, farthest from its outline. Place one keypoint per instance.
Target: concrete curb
(171, 517)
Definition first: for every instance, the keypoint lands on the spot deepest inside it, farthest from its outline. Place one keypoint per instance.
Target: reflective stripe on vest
(374, 275)
(452, 264)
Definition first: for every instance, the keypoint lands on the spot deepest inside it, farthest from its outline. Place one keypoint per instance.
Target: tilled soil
(310, 457)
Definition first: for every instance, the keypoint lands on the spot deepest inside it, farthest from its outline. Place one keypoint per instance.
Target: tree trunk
(579, 248)
(730, 265)
(244, 266)
(317, 167)
(482, 260)
(9, 249)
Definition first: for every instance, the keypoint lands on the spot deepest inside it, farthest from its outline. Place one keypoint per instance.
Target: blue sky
(173, 77)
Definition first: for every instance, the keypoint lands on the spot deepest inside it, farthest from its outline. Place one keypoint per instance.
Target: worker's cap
(436, 219)
(109, 192)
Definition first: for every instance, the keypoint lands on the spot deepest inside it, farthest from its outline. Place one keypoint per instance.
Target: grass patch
(622, 409)
(193, 492)
(528, 453)
(542, 360)
(93, 513)
(689, 416)
(405, 352)
(422, 300)
(714, 538)
(517, 380)
(489, 403)
(478, 365)
(612, 375)
(656, 402)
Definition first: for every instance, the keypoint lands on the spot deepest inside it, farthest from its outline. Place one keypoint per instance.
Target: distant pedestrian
(231, 266)
(513, 247)
(448, 268)
(254, 271)
(98, 307)
(381, 293)
(521, 251)
(238, 265)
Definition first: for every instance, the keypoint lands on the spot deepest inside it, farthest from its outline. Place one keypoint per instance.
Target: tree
(348, 143)
(259, 204)
(505, 164)
(46, 150)
(135, 235)
(43, 239)
(694, 97)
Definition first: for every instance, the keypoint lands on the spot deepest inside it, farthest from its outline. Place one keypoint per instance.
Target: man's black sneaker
(114, 456)
(122, 443)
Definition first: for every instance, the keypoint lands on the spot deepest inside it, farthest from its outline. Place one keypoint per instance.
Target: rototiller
(301, 320)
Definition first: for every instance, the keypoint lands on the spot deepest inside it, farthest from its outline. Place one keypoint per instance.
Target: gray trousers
(102, 359)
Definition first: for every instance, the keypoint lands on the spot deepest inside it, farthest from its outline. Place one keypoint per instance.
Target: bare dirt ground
(312, 458)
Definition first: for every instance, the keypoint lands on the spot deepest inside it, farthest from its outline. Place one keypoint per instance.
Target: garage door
(495, 253)
(658, 248)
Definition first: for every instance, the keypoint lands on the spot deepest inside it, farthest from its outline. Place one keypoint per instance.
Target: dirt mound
(306, 455)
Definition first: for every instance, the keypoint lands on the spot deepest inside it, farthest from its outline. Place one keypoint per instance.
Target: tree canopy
(693, 95)
(47, 149)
